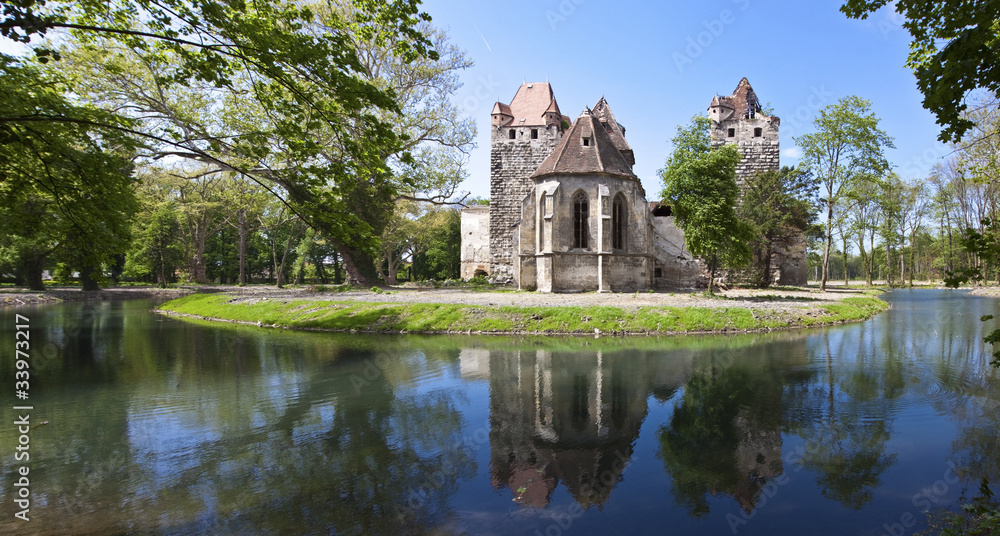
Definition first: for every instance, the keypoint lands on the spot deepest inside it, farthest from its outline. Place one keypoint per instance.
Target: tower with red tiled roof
(523, 135)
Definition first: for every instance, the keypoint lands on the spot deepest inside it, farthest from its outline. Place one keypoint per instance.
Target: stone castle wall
(511, 164)
(675, 268)
(760, 153)
(475, 241)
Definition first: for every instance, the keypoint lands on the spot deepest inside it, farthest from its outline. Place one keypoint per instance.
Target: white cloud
(792, 152)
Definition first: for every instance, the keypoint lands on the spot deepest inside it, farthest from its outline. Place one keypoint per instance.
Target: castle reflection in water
(573, 418)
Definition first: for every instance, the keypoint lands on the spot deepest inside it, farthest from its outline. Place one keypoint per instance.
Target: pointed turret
(602, 111)
(501, 114)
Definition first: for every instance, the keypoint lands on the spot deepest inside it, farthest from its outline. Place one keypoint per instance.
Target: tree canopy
(955, 50)
(274, 91)
(847, 145)
(700, 184)
(65, 187)
(779, 205)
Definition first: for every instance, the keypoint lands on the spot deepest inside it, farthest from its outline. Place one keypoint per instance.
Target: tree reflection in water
(167, 427)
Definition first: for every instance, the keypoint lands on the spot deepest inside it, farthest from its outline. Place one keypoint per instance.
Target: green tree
(847, 145)
(700, 184)
(955, 50)
(65, 188)
(304, 74)
(436, 245)
(158, 250)
(246, 201)
(778, 205)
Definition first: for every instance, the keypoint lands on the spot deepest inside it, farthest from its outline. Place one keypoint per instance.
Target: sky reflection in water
(159, 426)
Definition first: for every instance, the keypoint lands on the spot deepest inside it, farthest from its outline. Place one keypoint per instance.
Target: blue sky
(660, 63)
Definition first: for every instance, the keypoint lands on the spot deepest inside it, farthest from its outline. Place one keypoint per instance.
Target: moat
(165, 426)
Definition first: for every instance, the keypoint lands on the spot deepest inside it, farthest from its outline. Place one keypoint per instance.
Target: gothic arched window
(581, 225)
(619, 219)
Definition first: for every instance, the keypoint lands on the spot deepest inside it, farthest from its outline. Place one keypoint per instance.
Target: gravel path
(764, 299)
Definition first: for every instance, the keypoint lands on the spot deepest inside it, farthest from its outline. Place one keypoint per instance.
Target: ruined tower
(523, 134)
(739, 119)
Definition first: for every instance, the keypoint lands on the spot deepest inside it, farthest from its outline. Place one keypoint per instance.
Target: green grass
(450, 318)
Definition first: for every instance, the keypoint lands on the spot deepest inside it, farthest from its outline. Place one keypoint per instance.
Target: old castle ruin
(568, 214)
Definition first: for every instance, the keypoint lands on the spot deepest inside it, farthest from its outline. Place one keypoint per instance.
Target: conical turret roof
(602, 112)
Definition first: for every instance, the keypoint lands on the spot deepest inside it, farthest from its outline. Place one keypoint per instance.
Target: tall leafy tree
(955, 51)
(847, 145)
(700, 184)
(892, 199)
(779, 206)
(158, 250)
(65, 188)
(304, 74)
(864, 208)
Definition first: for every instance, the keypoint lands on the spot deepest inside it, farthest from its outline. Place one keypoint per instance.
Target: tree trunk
(951, 267)
(766, 265)
(196, 263)
(912, 257)
(33, 273)
(711, 276)
(199, 272)
(393, 272)
(888, 267)
(161, 268)
(360, 267)
(847, 282)
(296, 229)
(902, 268)
(243, 247)
(88, 278)
(826, 248)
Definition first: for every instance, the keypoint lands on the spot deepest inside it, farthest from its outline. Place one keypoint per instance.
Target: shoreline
(481, 313)
(19, 297)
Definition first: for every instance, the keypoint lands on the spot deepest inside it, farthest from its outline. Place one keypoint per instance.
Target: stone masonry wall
(511, 164)
(760, 153)
(475, 241)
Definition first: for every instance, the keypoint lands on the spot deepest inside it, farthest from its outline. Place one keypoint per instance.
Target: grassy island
(378, 316)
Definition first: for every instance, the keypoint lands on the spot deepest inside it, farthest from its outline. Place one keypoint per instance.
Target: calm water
(160, 426)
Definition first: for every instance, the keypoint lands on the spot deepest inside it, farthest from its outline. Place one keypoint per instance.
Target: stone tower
(523, 134)
(739, 119)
